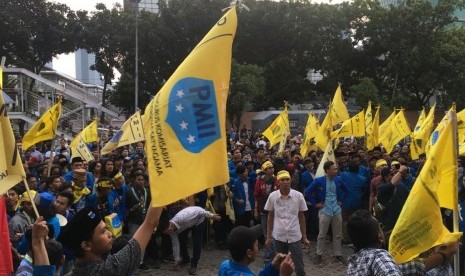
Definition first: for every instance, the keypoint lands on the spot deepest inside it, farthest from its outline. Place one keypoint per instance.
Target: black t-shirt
(393, 198)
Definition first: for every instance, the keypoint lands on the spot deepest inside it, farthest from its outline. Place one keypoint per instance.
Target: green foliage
(247, 86)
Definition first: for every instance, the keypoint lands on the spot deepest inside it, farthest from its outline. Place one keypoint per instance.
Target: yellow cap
(283, 174)
(25, 196)
(381, 162)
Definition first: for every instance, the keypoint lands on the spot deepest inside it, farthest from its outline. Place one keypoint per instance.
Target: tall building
(83, 73)
(147, 5)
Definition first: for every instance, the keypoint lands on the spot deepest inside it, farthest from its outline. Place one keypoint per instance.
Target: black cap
(76, 159)
(242, 238)
(80, 228)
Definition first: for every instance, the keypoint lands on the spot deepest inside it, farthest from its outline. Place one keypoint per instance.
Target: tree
(247, 82)
(35, 31)
(107, 37)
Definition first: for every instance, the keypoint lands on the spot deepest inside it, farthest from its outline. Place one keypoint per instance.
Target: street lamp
(136, 77)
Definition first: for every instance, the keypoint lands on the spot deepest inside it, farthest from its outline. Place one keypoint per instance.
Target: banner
(355, 126)
(278, 128)
(131, 132)
(11, 168)
(311, 129)
(419, 226)
(79, 144)
(45, 128)
(327, 156)
(421, 134)
(185, 121)
(339, 112)
(383, 128)
(397, 131)
(323, 135)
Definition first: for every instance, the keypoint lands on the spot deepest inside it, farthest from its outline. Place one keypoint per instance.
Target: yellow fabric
(1, 78)
(397, 131)
(384, 127)
(461, 125)
(421, 134)
(131, 132)
(462, 149)
(79, 192)
(229, 204)
(339, 112)
(437, 132)
(380, 162)
(372, 136)
(324, 132)
(44, 129)
(355, 126)
(114, 224)
(327, 156)
(420, 226)
(278, 129)
(118, 175)
(311, 129)
(104, 184)
(266, 164)
(11, 168)
(185, 121)
(283, 174)
(79, 144)
(25, 197)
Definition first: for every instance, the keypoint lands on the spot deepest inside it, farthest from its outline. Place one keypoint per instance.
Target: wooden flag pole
(28, 190)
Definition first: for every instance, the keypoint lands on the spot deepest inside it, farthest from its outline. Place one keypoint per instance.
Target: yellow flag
(397, 131)
(355, 126)
(421, 134)
(372, 136)
(131, 132)
(384, 127)
(311, 130)
(279, 127)
(79, 144)
(1, 78)
(45, 128)
(434, 137)
(11, 168)
(323, 135)
(339, 112)
(327, 156)
(420, 226)
(461, 125)
(369, 119)
(462, 149)
(185, 121)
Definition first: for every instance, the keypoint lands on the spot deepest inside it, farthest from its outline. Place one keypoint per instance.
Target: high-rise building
(83, 73)
(147, 5)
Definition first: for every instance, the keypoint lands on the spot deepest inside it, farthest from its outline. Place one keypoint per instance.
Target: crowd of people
(98, 217)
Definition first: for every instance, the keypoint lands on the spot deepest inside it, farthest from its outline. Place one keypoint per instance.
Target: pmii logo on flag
(193, 113)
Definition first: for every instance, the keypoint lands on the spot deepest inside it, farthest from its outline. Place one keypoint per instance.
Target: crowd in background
(117, 183)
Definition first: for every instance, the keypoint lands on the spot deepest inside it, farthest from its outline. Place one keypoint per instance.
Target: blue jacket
(316, 192)
(121, 208)
(237, 188)
(231, 268)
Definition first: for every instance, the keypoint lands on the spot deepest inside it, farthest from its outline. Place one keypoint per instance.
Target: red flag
(6, 259)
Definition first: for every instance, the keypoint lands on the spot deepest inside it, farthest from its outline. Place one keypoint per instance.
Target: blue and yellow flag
(419, 226)
(45, 128)
(131, 132)
(11, 168)
(185, 121)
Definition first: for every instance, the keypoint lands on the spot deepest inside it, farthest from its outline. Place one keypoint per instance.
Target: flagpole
(52, 155)
(28, 190)
(455, 214)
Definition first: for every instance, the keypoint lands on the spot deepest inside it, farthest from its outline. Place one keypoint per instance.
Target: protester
(286, 221)
(370, 259)
(243, 247)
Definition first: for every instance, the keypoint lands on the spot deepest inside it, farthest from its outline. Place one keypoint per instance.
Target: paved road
(212, 257)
